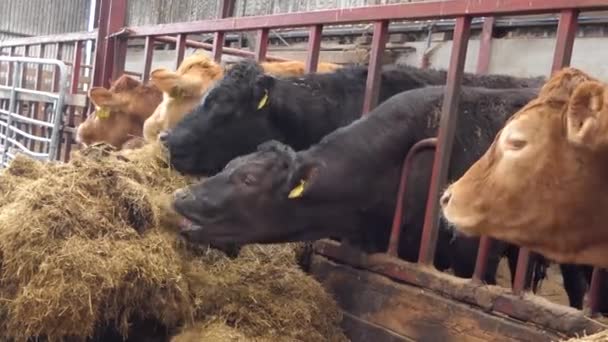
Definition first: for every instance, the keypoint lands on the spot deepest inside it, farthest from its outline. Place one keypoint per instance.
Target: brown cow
(184, 89)
(543, 183)
(120, 112)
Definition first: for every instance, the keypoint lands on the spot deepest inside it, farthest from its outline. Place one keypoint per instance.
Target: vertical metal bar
(149, 54)
(226, 10)
(116, 15)
(314, 48)
(11, 109)
(26, 53)
(218, 44)
(485, 244)
(521, 271)
(76, 63)
(374, 73)
(597, 283)
(485, 46)
(261, 48)
(58, 56)
(393, 244)
(9, 78)
(566, 31)
(447, 127)
(180, 49)
(58, 118)
(102, 17)
(120, 57)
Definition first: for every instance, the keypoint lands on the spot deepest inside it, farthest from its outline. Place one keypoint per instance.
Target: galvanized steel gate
(36, 137)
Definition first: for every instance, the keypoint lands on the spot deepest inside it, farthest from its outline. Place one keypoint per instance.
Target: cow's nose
(183, 194)
(445, 198)
(162, 136)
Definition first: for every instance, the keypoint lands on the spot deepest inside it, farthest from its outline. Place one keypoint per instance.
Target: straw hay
(598, 337)
(90, 247)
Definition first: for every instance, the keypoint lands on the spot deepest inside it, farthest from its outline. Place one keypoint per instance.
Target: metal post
(566, 31)
(180, 49)
(149, 55)
(102, 15)
(485, 244)
(447, 127)
(76, 64)
(374, 73)
(485, 45)
(314, 47)
(261, 48)
(393, 245)
(598, 280)
(11, 109)
(115, 15)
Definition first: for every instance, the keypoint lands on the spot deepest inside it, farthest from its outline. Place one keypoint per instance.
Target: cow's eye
(513, 143)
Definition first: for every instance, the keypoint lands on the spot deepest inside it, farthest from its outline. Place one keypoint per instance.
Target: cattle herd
(289, 157)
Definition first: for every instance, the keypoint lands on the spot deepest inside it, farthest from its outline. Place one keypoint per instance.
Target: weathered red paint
(314, 48)
(447, 127)
(481, 263)
(485, 46)
(374, 74)
(406, 11)
(393, 245)
(566, 31)
(180, 49)
(76, 65)
(261, 47)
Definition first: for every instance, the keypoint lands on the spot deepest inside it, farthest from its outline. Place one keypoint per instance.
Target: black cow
(350, 179)
(247, 108)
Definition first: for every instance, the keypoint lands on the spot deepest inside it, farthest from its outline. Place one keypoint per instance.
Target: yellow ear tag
(264, 101)
(297, 191)
(102, 112)
(176, 93)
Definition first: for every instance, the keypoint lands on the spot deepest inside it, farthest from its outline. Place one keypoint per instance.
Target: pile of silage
(90, 246)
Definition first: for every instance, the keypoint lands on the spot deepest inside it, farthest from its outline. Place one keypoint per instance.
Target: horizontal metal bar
(40, 95)
(225, 50)
(26, 119)
(27, 135)
(78, 100)
(408, 11)
(26, 150)
(49, 39)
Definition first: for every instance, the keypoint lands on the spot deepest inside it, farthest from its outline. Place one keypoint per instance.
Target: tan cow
(543, 183)
(120, 112)
(184, 88)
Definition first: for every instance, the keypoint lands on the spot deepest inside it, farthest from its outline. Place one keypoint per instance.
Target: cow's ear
(175, 85)
(586, 115)
(563, 83)
(302, 179)
(263, 87)
(102, 97)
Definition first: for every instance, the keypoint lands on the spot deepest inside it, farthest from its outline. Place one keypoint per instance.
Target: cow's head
(119, 112)
(182, 91)
(251, 201)
(542, 183)
(233, 117)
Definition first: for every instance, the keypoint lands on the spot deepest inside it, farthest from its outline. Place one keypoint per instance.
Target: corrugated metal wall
(40, 17)
(150, 12)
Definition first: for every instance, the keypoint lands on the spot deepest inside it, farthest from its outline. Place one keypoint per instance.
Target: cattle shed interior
(46, 76)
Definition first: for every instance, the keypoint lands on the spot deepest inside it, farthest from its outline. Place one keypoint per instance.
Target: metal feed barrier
(17, 131)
